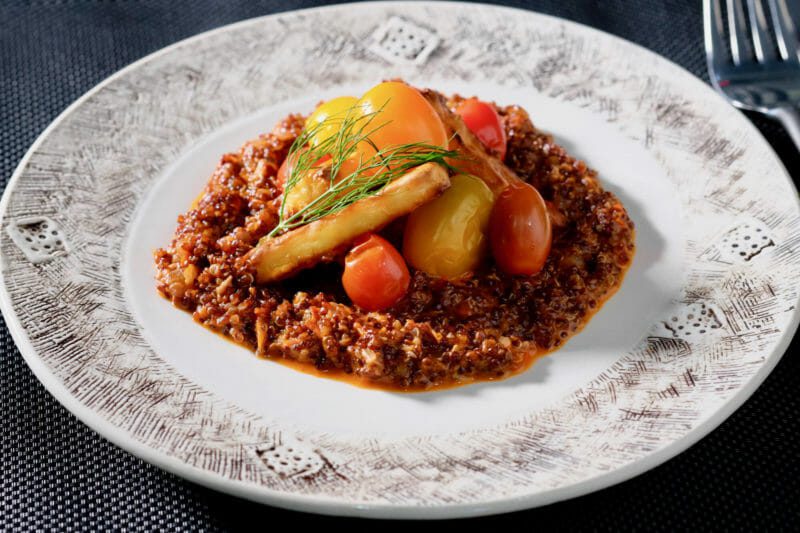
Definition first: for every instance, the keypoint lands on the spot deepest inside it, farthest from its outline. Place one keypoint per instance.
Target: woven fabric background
(58, 474)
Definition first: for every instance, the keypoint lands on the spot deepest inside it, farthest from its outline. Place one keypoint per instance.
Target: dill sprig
(370, 175)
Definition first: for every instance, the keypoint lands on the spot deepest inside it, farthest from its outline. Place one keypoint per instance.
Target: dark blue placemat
(58, 474)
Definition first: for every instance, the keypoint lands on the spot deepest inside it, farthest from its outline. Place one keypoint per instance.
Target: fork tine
(737, 29)
(713, 29)
(760, 31)
(785, 31)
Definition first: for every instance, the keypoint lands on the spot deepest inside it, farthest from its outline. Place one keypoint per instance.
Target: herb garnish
(368, 178)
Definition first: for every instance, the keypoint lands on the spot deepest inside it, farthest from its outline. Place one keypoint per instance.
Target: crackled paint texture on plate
(91, 170)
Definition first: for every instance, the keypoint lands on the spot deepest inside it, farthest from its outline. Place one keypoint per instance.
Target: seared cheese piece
(475, 159)
(279, 257)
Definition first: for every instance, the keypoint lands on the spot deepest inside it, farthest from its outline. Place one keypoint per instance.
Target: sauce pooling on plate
(308, 245)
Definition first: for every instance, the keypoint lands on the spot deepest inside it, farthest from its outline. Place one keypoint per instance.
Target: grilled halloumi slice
(279, 257)
(474, 158)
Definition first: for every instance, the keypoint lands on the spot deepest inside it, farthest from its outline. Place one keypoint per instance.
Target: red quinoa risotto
(402, 239)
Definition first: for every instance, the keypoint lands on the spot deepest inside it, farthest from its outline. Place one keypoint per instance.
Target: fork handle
(790, 118)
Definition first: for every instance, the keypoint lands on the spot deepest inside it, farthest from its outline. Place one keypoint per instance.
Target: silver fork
(762, 71)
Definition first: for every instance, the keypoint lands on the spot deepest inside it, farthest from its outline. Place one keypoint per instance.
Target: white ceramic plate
(705, 312)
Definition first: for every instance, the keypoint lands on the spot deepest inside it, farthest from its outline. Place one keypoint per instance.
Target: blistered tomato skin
(520, 231)
(333, 111)
(482, 119)
(447, 237)
(402, 115)
(375, 275)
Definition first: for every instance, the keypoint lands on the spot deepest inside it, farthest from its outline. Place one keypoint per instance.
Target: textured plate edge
(333, 506)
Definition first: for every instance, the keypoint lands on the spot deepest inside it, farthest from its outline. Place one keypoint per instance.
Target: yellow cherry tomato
(331, 113)
(447, 237)
(402, 115)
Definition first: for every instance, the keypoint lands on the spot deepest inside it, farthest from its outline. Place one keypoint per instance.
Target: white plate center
(288, 397)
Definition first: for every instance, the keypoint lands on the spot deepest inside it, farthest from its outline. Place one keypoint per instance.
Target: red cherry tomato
(375, 275)
(482, 120)
(519, 230)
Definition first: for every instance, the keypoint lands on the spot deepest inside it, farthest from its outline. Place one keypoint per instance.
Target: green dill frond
(368, 178)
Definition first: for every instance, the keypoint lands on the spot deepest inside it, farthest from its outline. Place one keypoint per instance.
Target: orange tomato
(519, 230)
(375, 275)
(402, 116)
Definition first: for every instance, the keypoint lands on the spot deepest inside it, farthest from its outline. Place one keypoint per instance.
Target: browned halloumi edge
(475, 160)
(279, 257)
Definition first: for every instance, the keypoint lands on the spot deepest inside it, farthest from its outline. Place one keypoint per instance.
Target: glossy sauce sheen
(356, 381)
(443, 334)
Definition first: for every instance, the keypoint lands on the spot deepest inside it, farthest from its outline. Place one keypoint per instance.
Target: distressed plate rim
(331, 505)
